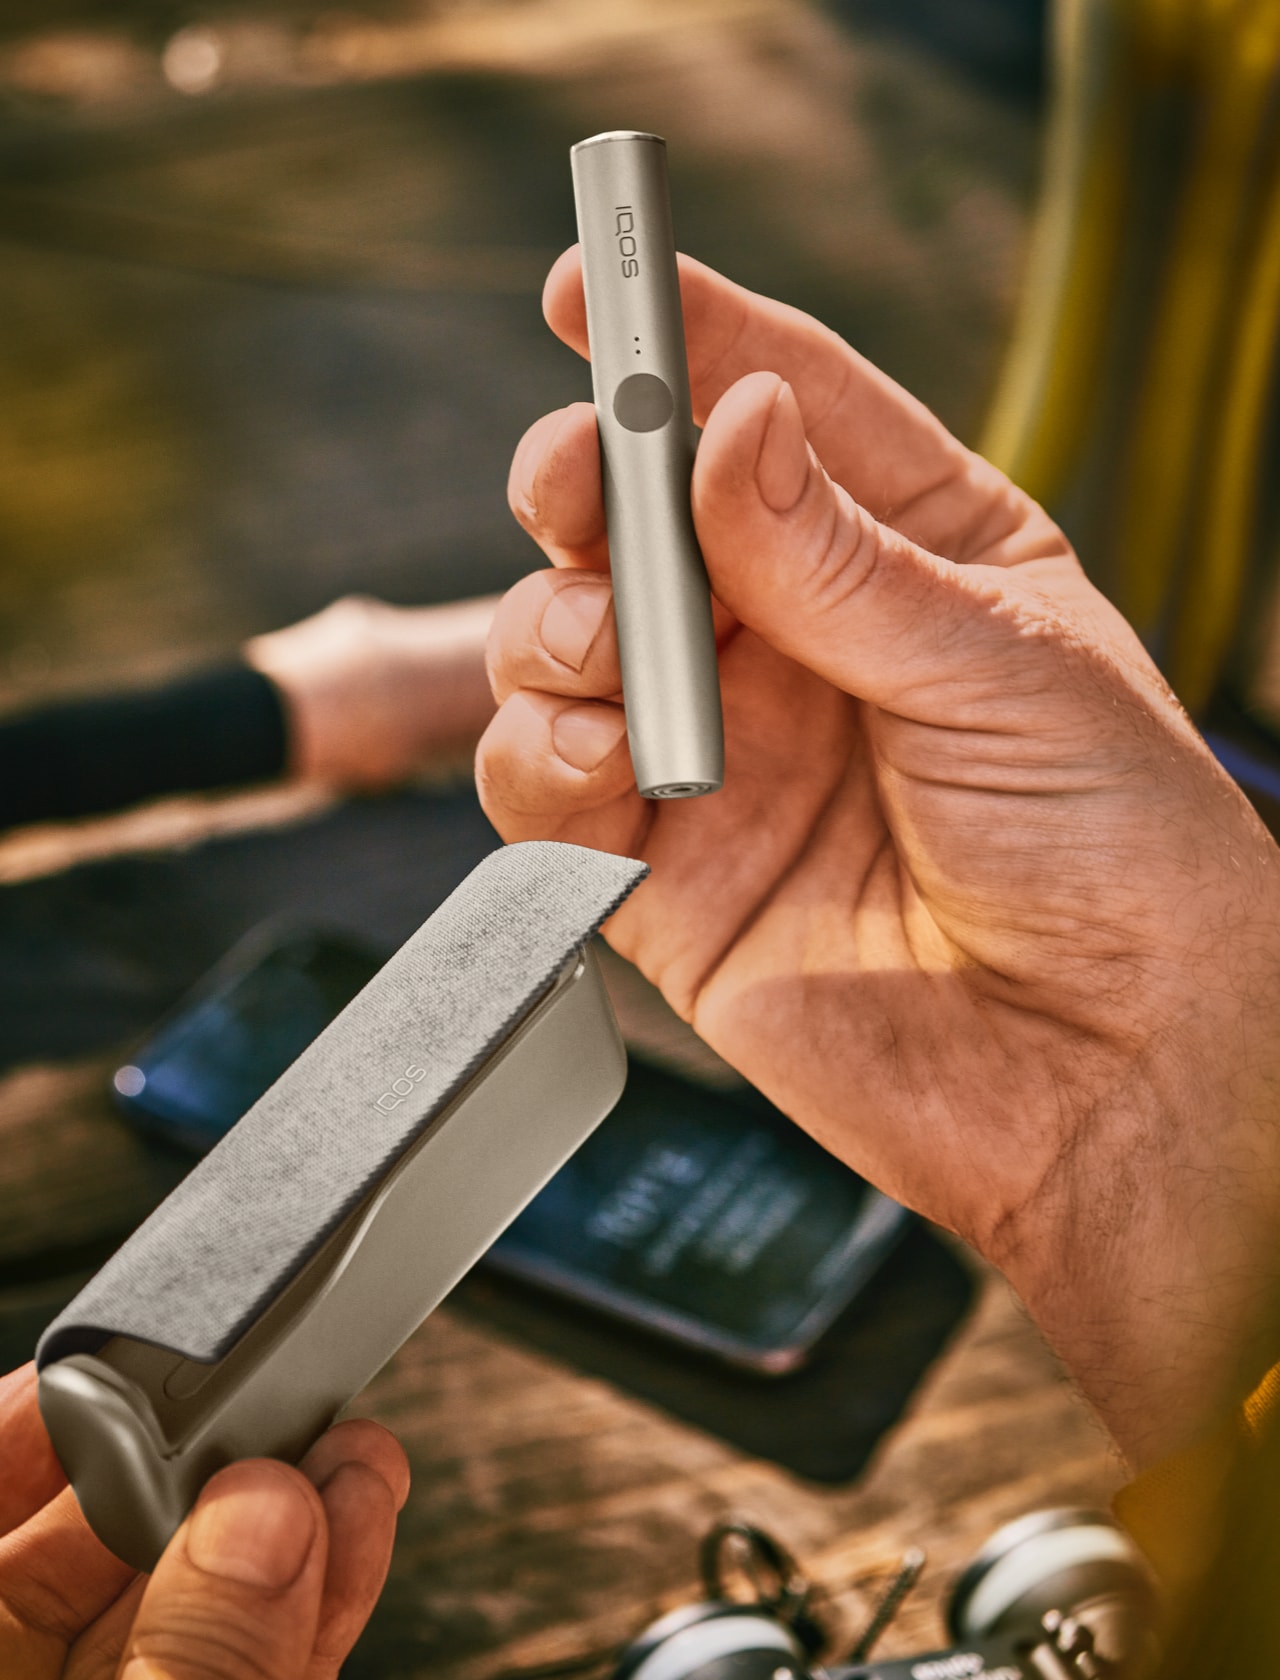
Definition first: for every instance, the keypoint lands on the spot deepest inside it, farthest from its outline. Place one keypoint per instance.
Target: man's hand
(976, 906)
(271, 1577)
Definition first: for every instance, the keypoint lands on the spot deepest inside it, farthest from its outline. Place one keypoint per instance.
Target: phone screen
(209, 1062)
(709, 1216)
(706, 1216)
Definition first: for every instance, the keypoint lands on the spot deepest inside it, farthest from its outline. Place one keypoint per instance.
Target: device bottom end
(680, 790)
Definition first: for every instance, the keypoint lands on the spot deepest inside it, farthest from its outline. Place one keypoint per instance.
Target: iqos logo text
(624, 228)
(401, 1088)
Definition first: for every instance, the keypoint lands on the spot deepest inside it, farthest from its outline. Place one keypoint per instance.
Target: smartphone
(709, 1217)
(210, 1059)
(703, 1215)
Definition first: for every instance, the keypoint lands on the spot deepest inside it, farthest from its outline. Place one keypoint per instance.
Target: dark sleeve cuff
(217, 727)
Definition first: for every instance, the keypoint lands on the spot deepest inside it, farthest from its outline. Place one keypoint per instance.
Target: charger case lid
(204, 1266)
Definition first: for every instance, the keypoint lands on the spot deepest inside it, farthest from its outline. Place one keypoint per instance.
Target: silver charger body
(139, 1427)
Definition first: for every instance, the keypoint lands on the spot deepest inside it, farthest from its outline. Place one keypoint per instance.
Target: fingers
(556, 752)
(362, 1476)
(360, 1441)
(547, 765)
(95, 1655)
(714, 859)
(799, 561)
(554, 487)
(32, 1474)
(361, 1512)
(237, 1594)
(555, 631)
(55, 1578)
(892, 455)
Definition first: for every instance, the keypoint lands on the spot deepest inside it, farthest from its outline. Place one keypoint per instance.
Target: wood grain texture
(553, 1515)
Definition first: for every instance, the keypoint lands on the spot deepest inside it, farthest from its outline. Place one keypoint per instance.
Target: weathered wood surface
(551, 1513)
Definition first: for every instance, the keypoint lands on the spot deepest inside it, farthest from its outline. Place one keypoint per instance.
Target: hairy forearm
(1151, 1262)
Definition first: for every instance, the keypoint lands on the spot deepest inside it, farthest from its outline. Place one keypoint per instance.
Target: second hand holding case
(289, 1266)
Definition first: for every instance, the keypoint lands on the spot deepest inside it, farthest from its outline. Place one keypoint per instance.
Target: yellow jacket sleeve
(1173, 1510)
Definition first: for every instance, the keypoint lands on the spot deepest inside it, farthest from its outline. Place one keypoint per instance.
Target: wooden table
(551, 1513)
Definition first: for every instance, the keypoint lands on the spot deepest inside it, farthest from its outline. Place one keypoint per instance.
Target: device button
(642, 403)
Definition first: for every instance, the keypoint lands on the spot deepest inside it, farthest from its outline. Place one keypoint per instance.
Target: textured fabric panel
(198, 1272)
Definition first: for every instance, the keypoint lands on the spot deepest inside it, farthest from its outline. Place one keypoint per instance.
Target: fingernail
(782, 467)
(584, 736)
(252, 1524)
(362, 1469)
(571, 621)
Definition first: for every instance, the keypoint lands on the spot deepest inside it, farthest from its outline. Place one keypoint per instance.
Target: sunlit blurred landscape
(271, 273)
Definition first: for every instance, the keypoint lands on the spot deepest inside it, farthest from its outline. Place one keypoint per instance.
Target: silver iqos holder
(670, 679)
(289, 1266)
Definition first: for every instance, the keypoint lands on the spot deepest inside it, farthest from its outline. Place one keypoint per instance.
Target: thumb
(237, 1594)
(795, 558)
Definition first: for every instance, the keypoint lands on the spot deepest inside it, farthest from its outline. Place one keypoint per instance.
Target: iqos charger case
(293, 1261)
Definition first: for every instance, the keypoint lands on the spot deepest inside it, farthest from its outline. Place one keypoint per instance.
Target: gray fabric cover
(199, 1271)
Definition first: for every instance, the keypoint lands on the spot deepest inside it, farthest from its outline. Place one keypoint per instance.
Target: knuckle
(554, 487)
(40, 1608)
(514, 630)
(508, 756)
(520, 502)
(209, 1642)
(536, 645)
(533, 452)
(845, 549)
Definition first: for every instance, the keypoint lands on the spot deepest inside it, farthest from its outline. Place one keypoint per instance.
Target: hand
(271, 1577)
(373, 693)
(976, 905)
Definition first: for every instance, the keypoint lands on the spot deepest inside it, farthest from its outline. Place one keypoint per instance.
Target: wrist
(373, 693)
(1148, 1257)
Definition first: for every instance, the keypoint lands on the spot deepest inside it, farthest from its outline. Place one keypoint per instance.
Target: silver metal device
(670, 678)
(155, 1377)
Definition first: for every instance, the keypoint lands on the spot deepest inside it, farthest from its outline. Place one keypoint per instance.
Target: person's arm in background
(976, 905)
(357, 698)
(373, 692)
(274, 1573)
